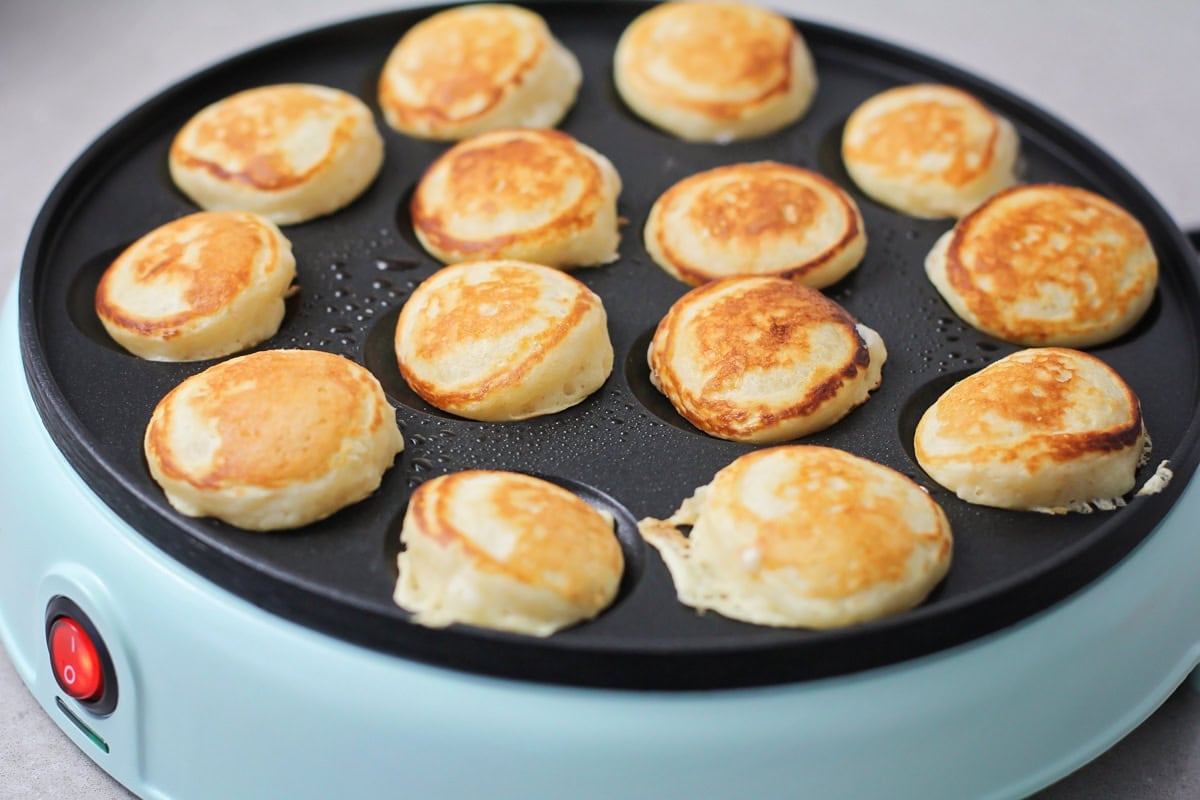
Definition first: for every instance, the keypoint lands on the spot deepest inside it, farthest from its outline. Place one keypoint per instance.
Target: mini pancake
(271, 440)
(534, 195)
(203, 286)
(474, 69)
(929, 150)
(714, 72)
(763, 218)
(1047, 265)
(289, 152)
(763, 359)
(503, 340)
(1045, 429)
(802, 536)
(506, 551)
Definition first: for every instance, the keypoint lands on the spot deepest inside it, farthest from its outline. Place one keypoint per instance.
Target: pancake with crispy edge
(1047, 265)
(1045, 429)
(804, 536)
(763, 359)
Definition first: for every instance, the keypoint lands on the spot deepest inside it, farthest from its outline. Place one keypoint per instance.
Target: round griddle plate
(624, 448)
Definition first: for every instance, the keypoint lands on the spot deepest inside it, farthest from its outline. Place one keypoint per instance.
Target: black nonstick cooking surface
(624, 448)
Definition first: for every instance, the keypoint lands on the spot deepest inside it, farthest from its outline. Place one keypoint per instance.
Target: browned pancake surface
(715, 58)
(461, 63)
(315, 401)
(503, 340)
(503, 188)
(1044, 264)
(905, 135)
(246, 138)
(1032, 408)
(763, 218)
(733, 366)
(534, 515)
(196, 265)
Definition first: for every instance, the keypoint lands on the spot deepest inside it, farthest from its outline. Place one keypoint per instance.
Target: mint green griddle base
(219, 699)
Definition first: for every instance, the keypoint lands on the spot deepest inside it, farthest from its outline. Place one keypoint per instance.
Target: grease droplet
(396, 264)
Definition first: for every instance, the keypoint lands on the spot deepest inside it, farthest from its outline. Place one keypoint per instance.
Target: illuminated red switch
(75, 659)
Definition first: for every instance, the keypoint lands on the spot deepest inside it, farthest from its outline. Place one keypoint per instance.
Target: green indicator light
(88, 732)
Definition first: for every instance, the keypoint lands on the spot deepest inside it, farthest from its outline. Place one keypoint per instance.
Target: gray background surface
(1125, 73)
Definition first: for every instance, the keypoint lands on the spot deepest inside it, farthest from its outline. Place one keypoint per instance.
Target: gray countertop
(1124, 73)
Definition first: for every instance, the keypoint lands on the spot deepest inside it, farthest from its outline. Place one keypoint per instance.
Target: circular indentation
(633, 548)
(917, 404)
(1143, 326)
(637, 375)
(81, 298)
(843, 290)
(829, 160)
(951, 326)
(391, 545)
(622, 110)
(379, 356)
(921, 234)
(404, 220)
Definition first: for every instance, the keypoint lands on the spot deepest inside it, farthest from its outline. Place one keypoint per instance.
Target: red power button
(75, 659)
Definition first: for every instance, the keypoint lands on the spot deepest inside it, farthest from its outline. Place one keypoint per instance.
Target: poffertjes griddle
(624, 449)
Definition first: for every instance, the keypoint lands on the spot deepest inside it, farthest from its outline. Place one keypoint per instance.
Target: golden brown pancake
(289, 152)
(763, 218)
(803, 536)
(533, 195)
(714, 72)
(274, 439)
(507, 551)
(203, 286)
(763, 359)
(929, 150)
(503, 340)
(1046, 264)
(477, 68)
(1045, 429)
